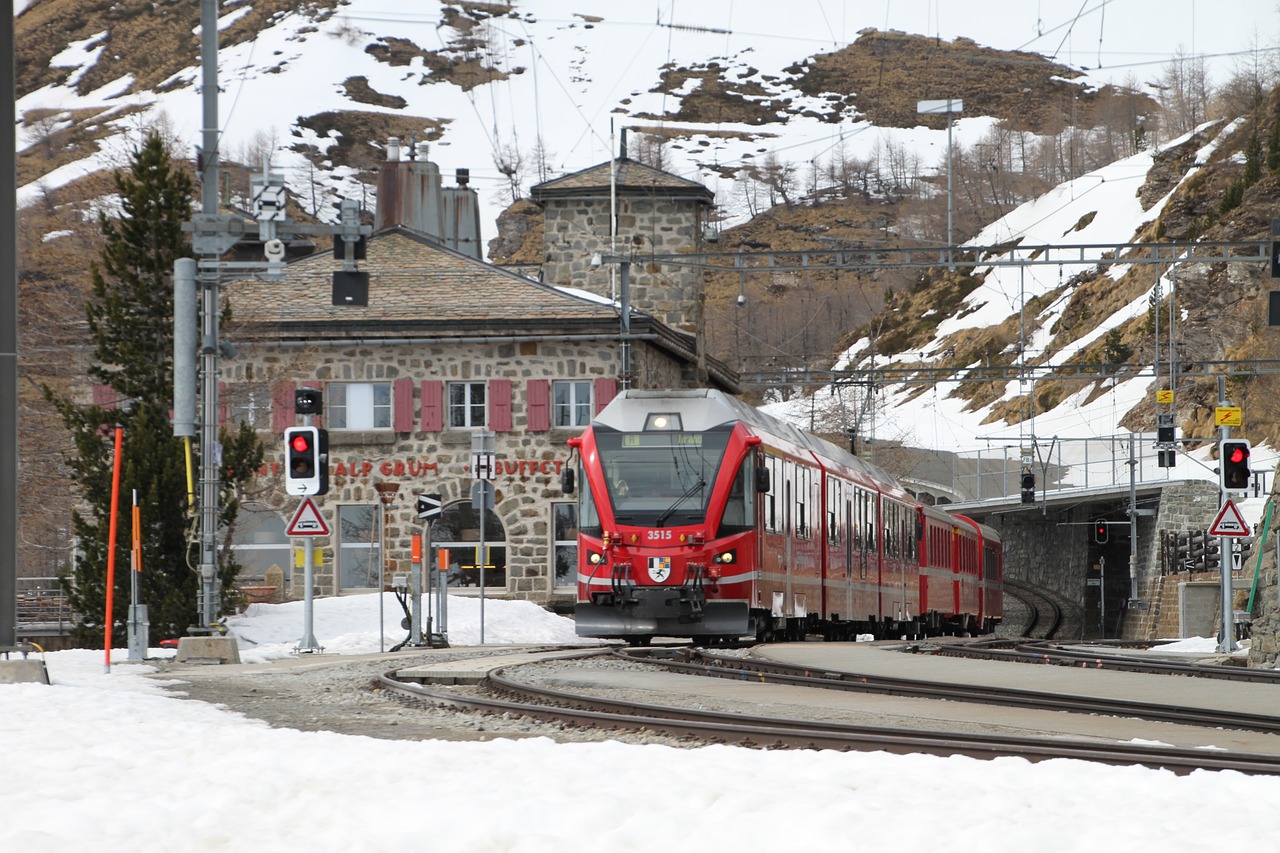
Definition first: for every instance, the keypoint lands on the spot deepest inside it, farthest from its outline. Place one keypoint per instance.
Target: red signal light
(1237, 454)
(301, 443)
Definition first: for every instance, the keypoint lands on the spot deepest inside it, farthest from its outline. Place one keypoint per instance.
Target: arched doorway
(458, 530)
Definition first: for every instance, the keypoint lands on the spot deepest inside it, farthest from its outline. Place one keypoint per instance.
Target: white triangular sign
(1229, 522)
(307, 521)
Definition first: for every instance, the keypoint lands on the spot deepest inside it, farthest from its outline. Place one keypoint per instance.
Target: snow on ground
(108, 761)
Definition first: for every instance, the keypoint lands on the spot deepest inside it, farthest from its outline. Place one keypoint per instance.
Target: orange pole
(111, 544)
(136, 539)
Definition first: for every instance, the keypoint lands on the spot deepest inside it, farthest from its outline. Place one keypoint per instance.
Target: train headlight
(725, 557)
(595, 558)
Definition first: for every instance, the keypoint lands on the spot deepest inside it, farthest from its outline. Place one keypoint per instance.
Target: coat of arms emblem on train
(659, 568)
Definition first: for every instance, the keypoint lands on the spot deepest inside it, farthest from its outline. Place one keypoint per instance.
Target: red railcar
(703, 517)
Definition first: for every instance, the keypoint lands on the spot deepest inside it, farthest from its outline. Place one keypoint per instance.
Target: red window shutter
(432, 405)
(281, 407)
(538, 403)
(606, 389)
(402, 401)
(500, 405)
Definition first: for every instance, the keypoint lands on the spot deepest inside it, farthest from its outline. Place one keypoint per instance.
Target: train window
(834, 529)
(739, 509)
(660, 478)
(773, 519)
(588, 515)
(802, 480)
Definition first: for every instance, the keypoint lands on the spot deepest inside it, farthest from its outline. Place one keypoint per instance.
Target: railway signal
(1100, 534)
(306, 451)
(1233, 463)
(1028, 486)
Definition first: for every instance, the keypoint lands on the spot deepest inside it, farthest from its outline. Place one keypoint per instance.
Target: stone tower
(658, 213)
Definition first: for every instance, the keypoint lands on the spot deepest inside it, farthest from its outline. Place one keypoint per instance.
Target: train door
(848, 558)
(788, 536)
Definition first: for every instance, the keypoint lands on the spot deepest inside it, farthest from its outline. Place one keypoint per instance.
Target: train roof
(706, 408)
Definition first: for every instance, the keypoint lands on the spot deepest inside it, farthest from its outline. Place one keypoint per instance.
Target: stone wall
(1184, 507)
(577, 228)
(1264, 633)
(437, 462)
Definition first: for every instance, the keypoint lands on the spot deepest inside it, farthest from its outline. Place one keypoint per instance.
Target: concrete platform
(23, 671)
(888, 660)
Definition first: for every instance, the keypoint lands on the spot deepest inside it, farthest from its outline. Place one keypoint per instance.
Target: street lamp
(950, 107)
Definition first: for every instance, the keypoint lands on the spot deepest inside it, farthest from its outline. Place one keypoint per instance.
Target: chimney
(463, 177)
(393, 150)
(622, 146)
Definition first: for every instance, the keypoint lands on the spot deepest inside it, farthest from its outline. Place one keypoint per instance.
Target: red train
(702, 517)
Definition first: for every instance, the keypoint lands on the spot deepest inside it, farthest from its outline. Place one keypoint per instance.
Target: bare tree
(649, 149)
(1184, 93)
(779, 178)
(1252, 77)
(510, 161)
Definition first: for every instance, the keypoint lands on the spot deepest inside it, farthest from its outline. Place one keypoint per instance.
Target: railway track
(505, 691)
(703, 663)
(1103, 656)
(1044, 616)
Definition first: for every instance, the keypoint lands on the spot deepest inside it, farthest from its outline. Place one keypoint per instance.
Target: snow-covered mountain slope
(523, 91)
(1081, 430)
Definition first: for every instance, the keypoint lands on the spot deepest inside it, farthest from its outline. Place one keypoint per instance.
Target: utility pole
(213, 235)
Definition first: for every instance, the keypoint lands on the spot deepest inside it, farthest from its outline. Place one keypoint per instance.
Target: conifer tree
(130, 319)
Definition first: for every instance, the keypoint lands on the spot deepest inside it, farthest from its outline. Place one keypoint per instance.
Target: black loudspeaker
(1273, 308)
(350, 288)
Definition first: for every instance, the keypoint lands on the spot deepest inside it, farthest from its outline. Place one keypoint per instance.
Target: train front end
(666, 543)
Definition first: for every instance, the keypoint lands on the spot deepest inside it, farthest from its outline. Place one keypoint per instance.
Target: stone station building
(447, 346)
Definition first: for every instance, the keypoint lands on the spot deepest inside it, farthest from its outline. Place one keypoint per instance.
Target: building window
(357, 547)
(359, 405)
(466, 404)
(259, 544)
(564, 521)
(572, 403)
(250, 403)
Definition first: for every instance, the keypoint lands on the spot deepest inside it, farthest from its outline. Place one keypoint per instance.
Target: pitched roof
(413, 281)
(632, 178)
(419, 289)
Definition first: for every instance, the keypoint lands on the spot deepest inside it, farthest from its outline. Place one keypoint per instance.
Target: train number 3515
(658, 535)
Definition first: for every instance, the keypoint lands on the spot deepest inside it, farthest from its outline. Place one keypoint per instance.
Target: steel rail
(703, 663)
(775, 733)
(1049, 654)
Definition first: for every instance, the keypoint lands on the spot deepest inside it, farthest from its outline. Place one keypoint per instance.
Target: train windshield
(660, 479)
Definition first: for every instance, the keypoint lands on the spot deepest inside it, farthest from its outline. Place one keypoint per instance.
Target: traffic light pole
(1227, 641)
(308, 642)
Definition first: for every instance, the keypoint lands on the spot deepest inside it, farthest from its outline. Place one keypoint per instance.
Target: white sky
(110, 761)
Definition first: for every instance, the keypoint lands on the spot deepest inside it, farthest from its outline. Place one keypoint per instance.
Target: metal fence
(43, 604)
(1073, 463)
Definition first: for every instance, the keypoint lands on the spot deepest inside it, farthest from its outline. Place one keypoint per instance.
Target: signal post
(1234, 475)
(306, 473)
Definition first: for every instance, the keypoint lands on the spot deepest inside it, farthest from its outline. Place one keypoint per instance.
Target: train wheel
(642, 640)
